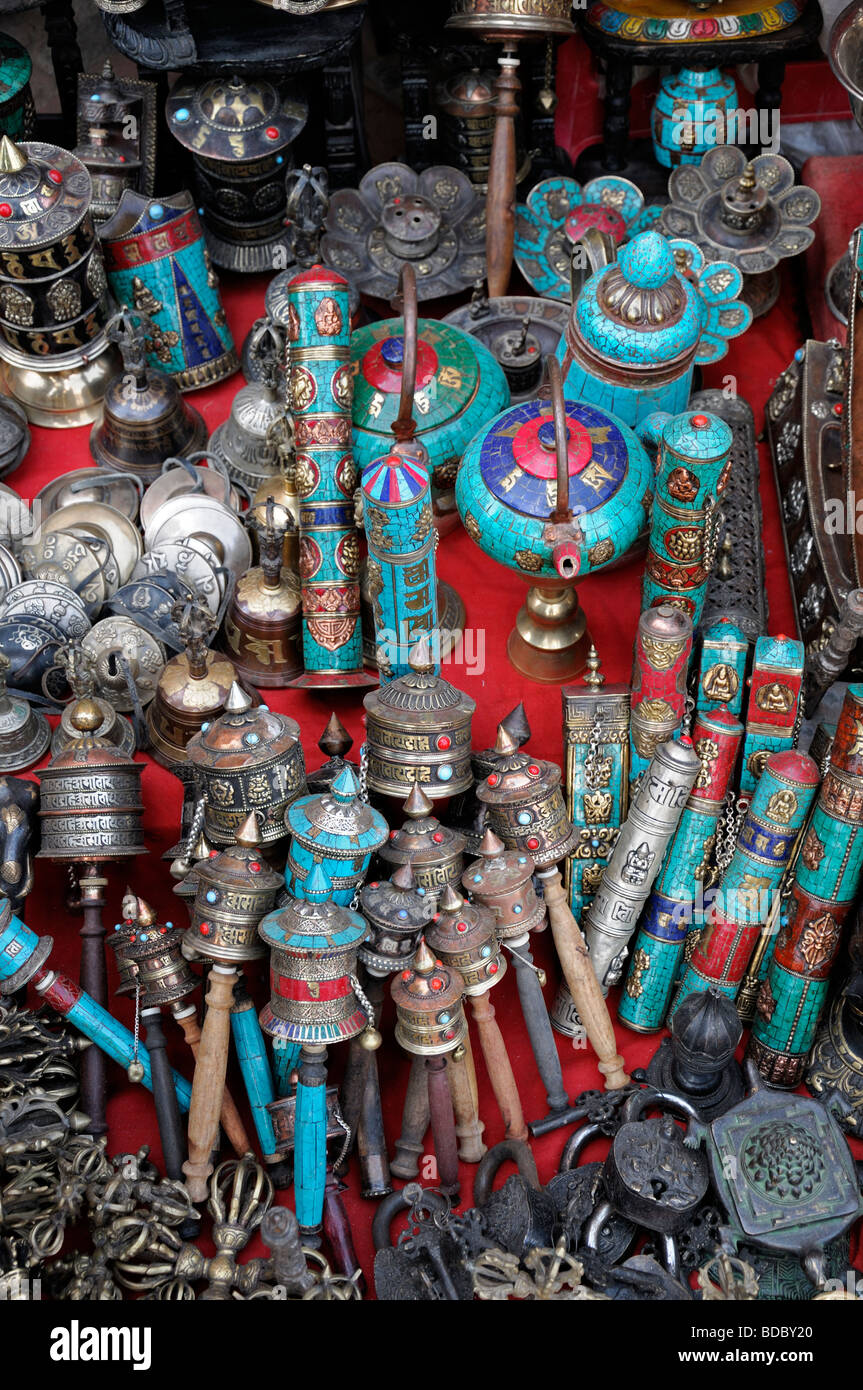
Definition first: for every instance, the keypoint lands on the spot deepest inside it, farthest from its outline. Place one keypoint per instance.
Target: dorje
(502, 880)
(234, 890)
(526, 804)
(249, 760)
(428, 1000)
(464, 936)
(418, 730)
(397, 911)
(24, 732)
(91, 805)
(434, 852)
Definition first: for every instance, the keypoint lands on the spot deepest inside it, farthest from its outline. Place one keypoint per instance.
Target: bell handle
(404, 425)
(558, 409)
(601, 249)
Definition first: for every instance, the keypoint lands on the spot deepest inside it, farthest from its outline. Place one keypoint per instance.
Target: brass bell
(160, 971)
(247, 443)
(81, 675)
(263, 627)
(91, 807)
(24, 732)
(429, 1011)
(434, 852)
(144, 417)
(234, 890)
(192, 689)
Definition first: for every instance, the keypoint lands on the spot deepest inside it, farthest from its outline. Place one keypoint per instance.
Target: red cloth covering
(492, 596)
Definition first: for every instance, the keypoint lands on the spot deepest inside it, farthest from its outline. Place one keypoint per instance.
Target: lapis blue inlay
(527, 493)
(393, 351)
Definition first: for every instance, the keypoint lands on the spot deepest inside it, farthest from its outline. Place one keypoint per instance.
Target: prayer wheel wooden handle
(536, 1019)
(415, 1123)
(463, 1092)
(167, 1107)
(443, 1125)
(208, 1086)
(582, 982)
(94, 980)
(500, 202)
(235, 1130)
(499, 1067)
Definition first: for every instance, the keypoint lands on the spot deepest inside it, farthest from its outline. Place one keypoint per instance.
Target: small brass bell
(246, 442)
(24, 732)
(145, 418)
(263, 627)
(192, 689)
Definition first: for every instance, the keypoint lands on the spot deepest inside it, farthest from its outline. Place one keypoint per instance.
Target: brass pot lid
(183, 517)
(243, 735)
(751, 215)
(45, 598)
(234, 119)
(116, 490)
(186, 563)
(98, 518)
(181, 479)
(115, 638)
(47, 191)
(420, 695)
(435, 219)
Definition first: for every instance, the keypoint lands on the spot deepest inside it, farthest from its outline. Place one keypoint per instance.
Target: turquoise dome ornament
(554, 491)
(335, 831)
(556, 216)
(641, 323)
(689, 115)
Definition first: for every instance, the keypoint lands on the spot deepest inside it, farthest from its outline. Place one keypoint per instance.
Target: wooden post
(415, 1123)
(443, 1124)
(500, 201)
(463, 1091)
(235, 1130)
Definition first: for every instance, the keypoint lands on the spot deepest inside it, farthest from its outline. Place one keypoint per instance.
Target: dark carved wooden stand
(619, 56)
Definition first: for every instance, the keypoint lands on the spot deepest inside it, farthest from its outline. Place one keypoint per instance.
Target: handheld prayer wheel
(321, 391)
(826, 882)
(694, 463)
(192, 689)
(23, 957)
(743, 900)
(315, 999)
(418, 730)
(659, 945)
(162, 976)
(464, 936)
(525, 803)
(775, 692)
(467, 814)
(234, 890)
(629, 875)
(397, 912)
(336, 831)
(249, 760)
(431, 1024)
(662, 649)
(262, 626)
(434, 852)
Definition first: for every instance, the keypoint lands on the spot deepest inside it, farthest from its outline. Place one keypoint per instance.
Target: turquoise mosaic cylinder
(310, 1152)
(397, 516)
(334, 832)
(827, 879)
(722, 673)
(659, 944)
(694, 451)
(689, 115)
(775, 689)
(321, 392)
(17, 113)
(780, 805)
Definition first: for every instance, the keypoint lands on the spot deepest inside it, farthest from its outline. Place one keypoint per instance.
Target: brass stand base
(55, 394)
(550, 641)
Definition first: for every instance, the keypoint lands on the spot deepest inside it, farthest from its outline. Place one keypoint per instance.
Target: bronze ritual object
(192, 689)
(263, 626)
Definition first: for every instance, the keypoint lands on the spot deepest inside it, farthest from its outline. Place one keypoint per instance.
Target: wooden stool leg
(208, 1086)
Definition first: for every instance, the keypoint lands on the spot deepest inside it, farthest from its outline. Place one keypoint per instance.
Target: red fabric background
(492, 596)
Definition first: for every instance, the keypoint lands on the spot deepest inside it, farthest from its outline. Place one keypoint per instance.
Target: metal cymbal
(181, 479)
(118, 490)
(186, 562)
(66, 559)
(115, 638)
(44, 598)
(97, 517)
(10, 571)
(16, 518)
(183, 517)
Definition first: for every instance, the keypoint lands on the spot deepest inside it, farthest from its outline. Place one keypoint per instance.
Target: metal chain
(137, 1026)
(364, 771)
(686, 721)
(728, 830)
(343, 1124)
